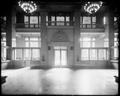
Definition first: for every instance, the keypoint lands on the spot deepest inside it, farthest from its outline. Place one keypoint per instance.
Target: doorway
(60, 55)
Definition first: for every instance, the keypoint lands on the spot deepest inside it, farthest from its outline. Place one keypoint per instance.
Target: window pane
(93, 39)
(93, 54)
(52, 18)
(115, 52)
(93, 19)
(60, 47)
(102, 54)
(116, 44)
(35, 54)
(105, 53)
(18, 54)
(31, 25)
(107, 57)
(4, 18)
(33, 20)
(84, 54)
(115, 39)
(26, 19)
(27, 44)
(27, 54)
(4, 38)
(86, 20)
(104, 20)
(89, 26)
(33, 44)
(86, 44)
(3, 43)
(3, 53)
(86, 39)
(14, 42)
(67, 18)
(60, 18)
(81, 44)
(115, 19)
(93, 44)
(46, 18)
(63, 57)
(106, 39)
(106, 42)
(57, 57)
(33, 39)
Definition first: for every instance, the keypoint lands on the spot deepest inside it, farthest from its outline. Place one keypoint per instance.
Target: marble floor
(60, 81)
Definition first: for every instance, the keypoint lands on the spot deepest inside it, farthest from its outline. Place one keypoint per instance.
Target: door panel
(57, 57)
(63, 57)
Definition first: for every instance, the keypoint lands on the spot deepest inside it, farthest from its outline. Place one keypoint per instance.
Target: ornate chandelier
(28, 7)
(92, 7)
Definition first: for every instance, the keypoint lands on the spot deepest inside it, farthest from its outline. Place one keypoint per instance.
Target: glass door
(60, 54)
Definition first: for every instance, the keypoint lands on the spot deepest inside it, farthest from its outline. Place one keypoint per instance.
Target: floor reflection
(60, 81)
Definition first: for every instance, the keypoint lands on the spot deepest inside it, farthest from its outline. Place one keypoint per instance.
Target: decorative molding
(60, 36)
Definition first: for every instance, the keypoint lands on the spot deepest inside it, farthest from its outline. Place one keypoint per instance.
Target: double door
(60, 55)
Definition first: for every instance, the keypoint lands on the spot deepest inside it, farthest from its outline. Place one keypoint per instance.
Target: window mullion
(55, 20)
(38, 21)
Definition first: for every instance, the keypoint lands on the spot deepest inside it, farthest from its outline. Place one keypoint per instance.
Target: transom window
(32, 42)
(87, 42)
(87, 22)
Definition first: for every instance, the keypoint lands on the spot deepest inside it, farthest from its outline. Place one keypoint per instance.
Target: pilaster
(77, 37)
(44, 47)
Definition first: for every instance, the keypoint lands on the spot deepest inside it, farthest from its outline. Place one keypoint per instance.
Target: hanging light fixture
(92, 7)
(28, 7)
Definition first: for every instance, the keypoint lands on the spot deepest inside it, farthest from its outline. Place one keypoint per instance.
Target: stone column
(13, 29)
(13, 22)
(9, 35)
(76, 55)
(110, 32)
(44, 47)
(10, 32)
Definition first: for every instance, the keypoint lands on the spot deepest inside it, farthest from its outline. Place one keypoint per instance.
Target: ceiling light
(28, 7)
(92, 7)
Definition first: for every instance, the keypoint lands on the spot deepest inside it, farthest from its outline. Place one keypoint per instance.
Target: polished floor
(60, 81)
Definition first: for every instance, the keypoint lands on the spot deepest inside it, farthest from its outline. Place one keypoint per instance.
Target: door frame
(70, 53)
